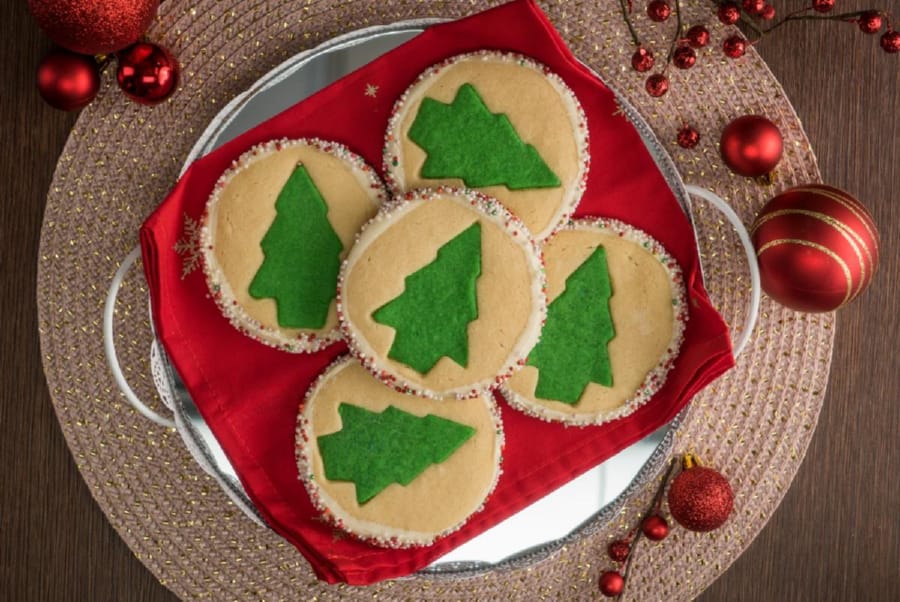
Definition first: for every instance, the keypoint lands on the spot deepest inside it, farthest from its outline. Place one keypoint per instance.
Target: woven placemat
(753, 424)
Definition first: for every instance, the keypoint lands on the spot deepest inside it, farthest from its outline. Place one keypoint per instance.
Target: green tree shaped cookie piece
(432, 315)
(465, 140)
(373, 450)
(302, 256)
(573, 350)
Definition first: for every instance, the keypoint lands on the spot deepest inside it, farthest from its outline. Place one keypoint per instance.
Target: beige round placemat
(753, 424)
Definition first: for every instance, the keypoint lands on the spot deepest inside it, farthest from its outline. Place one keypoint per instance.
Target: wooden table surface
(836, 536)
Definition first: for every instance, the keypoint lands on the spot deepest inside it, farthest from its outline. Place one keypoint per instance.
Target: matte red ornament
(147, 73)
(684, 57)
(768, 13)
(655, 528)
(823, 6)
(734, 46)
(659, 10)
(688, 137)
(700, 498)
(657, 84)
(870, 22)
(698, 36)
(729, 13)
(817, 247)
(94, 26)
(754, 7)
(619, 550)
(642, 60)
(890, 41)
(751, 146)
(611, 583)
(68, 81)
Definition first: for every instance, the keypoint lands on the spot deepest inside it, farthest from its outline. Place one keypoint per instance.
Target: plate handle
(110, 347)
(755, 288)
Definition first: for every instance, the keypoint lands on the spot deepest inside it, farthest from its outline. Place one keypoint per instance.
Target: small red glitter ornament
(94, 26)
(729, 13)
(655, 528)
(823, 6)
(659, 10)
(684, 57)
(817, 246)
(698, 36)
(619, 550)
(688, 137)
(611, 583)
(870, 22)
(700, 498)
(642, 60)
(754, 7)
(657, 85)
(67, 81)
(751, 145)
(147, 73)
(734, 46)
(890, 41)
(768, 13)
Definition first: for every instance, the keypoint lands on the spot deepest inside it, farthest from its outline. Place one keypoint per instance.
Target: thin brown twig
(634, 35)
(679, 34)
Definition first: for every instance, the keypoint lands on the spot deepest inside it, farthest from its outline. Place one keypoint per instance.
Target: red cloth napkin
(249, 393)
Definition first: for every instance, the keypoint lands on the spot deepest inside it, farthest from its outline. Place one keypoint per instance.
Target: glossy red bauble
(94, 26)
(68, 81)
(890, 41)
(823, 6)
(751, 146)
(655, 528)
(619, 550)
(642, 60)
(147, 73)
(698, 36)
(611, 583)
(657, 85)
(817, 247)
(700, 499)
(688, 137)
(659, 10)
(870, 22)
(734, 46)
(754, 7)
(684, 57)
(729, 13)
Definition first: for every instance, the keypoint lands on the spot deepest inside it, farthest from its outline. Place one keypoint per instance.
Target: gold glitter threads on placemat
(753, 424)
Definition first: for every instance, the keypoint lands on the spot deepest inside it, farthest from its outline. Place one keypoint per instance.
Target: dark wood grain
(836, 536)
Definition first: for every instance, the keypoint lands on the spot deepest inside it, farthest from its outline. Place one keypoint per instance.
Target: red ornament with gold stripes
(817, 248)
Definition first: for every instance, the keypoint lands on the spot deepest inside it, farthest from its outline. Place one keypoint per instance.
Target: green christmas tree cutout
(373, 450)
(465, 140)
(431, 316)
(573, 350)
(302, 256)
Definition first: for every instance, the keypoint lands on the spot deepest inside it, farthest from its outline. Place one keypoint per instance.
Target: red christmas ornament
(754, 7)
(657, 84)
(729, 13)
(619, 550)
(655, 528)
(94, 26)
(890, 41)
(751, 145)
(734, 46)
(659, 10)
(642, 60)
(698, 36)
(823, 6)
(768, 13)
(611, 583)
(700, 498)
(817, 247)
(684, 57)
(147, 73)
(870, 22)
(688, 137)
(68, 81)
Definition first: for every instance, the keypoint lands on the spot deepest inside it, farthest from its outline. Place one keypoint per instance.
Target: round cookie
(278, 224)
(615, 322)
(395, 469)
(528, 146)
(442, 294)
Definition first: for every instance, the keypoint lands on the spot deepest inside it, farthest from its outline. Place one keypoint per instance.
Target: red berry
(611, 583)
(698, 36)
(657, 84)
(735, 46)
(754, 7)
(823, 6)
(870, 22)
(768, 13)
(684, 57)
(659, 10)
(890, 41)
(688, 137)
(642, 60)
(619, 550)
(729, 13)
(655, 528)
